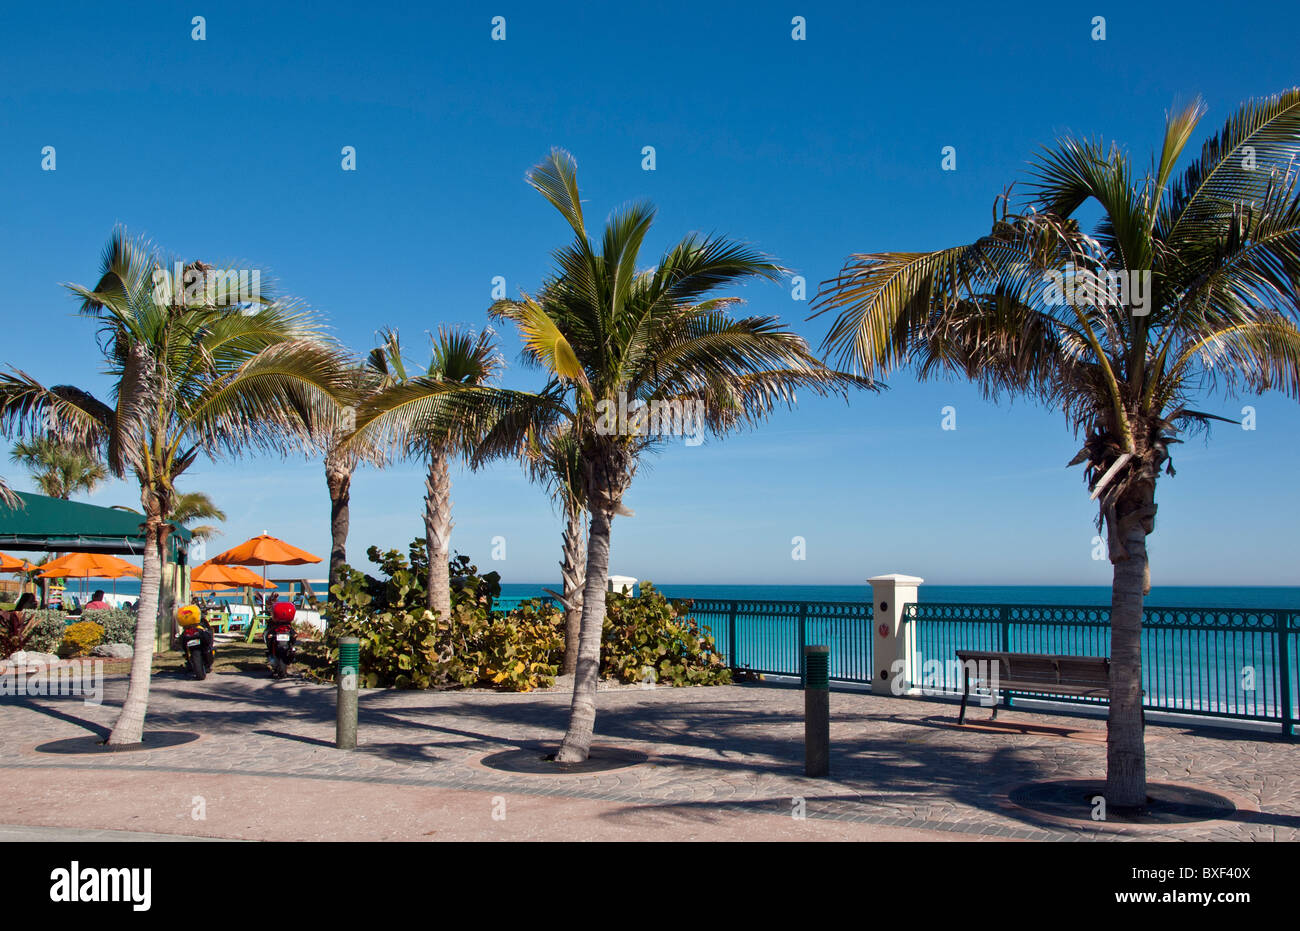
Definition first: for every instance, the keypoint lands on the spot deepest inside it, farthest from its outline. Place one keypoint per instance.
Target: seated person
(26, 603)
(97, 602)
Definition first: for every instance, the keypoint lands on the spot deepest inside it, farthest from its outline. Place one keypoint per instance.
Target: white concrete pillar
(624, 584)
(890, 637)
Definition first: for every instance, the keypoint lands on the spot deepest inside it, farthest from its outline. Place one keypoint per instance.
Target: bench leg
(965, 694)
(996, 699)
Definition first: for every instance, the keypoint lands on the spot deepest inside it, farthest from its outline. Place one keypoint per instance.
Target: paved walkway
(725, 763)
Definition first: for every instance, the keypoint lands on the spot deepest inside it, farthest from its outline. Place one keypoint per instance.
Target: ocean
(1162, 596)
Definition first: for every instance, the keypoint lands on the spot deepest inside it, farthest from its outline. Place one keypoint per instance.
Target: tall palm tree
(383, 367)
(189, 506)
(192, 376)
(438, 415)
(1211, 258)
(60, 470)
(555, 461)
(614, 339)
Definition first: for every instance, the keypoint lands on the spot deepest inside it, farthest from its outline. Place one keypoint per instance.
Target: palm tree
(189, 506)
(555, 461)
(191, 376)
(383, 367)
(1210, 258)
(59, 470)
(654, 344)
(438, 415)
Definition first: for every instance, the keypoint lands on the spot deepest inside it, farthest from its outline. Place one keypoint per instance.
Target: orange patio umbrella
(211, 576)
(88, 566)
(11, 564)
(264, 550)
(222, 586)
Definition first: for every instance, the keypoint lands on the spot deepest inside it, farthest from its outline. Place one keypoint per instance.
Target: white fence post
(624, 584)
(890, 636)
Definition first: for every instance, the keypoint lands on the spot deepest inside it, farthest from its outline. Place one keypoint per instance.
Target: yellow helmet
(188, 615)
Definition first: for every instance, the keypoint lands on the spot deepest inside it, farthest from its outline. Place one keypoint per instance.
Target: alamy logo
(84, 678)
(103, 884)
(948, 677)
(1108, 287)
(652, 418)
(215, 287)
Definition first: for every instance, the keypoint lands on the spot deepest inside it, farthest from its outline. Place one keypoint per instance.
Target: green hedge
(48, 634)
(118, 624)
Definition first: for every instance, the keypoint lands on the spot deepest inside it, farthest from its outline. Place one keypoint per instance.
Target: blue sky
(228, 149)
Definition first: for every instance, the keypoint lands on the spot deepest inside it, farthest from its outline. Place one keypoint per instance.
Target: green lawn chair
(256, 627)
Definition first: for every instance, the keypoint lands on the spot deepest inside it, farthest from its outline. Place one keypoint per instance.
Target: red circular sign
(884, 630)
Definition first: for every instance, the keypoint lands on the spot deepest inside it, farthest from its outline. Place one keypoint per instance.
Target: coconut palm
(438, 416)
(58, 469)
(555, 461)
(191, 376)
(383, 366)
(1211, 258)
(189, 506)
(651, 343)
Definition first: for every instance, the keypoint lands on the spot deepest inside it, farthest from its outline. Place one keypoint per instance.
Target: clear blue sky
(229, 150)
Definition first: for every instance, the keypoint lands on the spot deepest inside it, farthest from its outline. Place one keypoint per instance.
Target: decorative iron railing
(768, 637)
(1237, 663)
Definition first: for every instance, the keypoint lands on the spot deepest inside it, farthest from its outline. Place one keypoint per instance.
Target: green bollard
(817, 711)
(345, 731)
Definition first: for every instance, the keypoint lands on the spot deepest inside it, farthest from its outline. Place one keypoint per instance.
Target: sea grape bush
(648, 638)
(403, 644)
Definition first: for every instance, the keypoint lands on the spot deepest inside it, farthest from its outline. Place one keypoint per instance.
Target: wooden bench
(1034, 674)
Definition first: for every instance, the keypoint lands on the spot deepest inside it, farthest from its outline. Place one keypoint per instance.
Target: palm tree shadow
(52, 711)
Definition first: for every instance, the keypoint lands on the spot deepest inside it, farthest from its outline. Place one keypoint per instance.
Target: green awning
(53, 525)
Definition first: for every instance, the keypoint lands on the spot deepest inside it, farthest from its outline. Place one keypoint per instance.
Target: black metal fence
(1202, 661)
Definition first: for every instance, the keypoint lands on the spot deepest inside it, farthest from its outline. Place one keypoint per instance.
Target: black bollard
(345, 730)
(817, 711)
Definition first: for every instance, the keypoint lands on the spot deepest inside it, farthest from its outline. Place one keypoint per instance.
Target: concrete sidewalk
(724, 764)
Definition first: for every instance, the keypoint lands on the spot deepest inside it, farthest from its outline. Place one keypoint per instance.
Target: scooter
(196, 641)
(280, 638)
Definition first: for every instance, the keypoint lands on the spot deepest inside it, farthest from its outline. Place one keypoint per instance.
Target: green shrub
(402, 645)
(80, 638)
(48, 633)
(118, 624)
(649, 638)
(15, 629)
(408, 648)
(517, 652)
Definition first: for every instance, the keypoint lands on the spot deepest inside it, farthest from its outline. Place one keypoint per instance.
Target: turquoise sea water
(1162, 596)
(1166, 596)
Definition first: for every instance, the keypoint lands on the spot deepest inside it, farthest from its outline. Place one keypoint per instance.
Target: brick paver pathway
(731, 753)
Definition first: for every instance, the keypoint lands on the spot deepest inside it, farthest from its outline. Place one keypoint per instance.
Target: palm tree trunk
(437, 533)
(582, 711)
(574, 570)
(1126, 779)
(338, 477)
(129, 728)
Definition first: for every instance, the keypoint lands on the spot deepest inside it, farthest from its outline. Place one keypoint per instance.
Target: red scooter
(280, 638)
